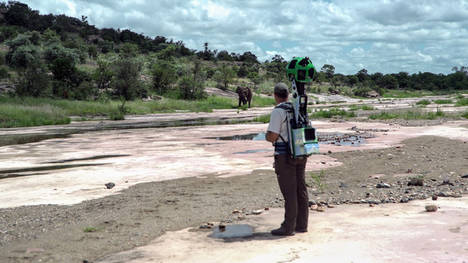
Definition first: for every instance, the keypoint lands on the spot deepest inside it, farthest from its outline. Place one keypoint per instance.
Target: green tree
(329, 71)
(224, 76)
(362, 75)
(33, 80)
(103, 74)
(126, 81)
(164, 75)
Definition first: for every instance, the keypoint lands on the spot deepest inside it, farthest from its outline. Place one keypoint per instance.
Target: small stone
(343, 185)
(236, 212)
(110, 185)
(312, 202)
(331, 206)
(267, 208)
(34, 250)
(446, 182)
(257, 212)
(313, 207)
(320, 209)
(207, 226)
(434, 197)
(416, 182)
(409, 171)
(329, 152)
(465, 176)
(371, 205)
(322, 162)
(431, 208)
(404, 200)
(383, 185)
(222, 228)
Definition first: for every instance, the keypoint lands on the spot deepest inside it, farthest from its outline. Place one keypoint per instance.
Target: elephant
(245, 95)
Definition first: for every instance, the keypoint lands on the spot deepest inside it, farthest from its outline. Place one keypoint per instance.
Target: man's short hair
(281, 90)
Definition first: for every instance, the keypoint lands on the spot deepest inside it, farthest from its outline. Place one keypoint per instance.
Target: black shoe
(281, 232)
(301, 230)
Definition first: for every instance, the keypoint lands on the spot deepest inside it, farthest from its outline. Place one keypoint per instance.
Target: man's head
(281, 92)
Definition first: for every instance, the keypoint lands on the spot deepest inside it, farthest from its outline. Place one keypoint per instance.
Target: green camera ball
(301, 69)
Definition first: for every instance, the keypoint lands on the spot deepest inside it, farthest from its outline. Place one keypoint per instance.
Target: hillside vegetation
(60, 57)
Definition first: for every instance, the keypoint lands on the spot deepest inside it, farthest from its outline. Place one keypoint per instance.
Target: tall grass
(407, 115)
(361, 107)
(20, 112)
(465, 115)
(333, 112)
(423, 102)
(443, 101)
(462, 102)
(12, 115)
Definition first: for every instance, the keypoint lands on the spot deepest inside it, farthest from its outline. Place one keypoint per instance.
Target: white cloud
(382, 35)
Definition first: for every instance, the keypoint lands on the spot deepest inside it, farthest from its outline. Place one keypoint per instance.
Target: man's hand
(271, 136)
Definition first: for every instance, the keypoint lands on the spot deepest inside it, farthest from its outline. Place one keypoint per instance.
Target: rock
(236, 212)
(409, 171)
(257, 212)
(311, 203)
(110, 185)
(320, 209)
(416, 182)
(434, 197)
(331, 206)
(329, 152)
(371, 205)
(267, 208)
(343, 185)
(446, 182)
(313, 207)
(431, 208)
(465, 176)
(207, 226)
(383, 185)
(404, 200)
(222, 227)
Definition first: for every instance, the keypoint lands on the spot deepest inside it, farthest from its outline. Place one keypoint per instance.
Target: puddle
(11, 173)
(233, 231)
(97, 157)
(338, 139)
(245, 137)
(255, 151)
(342, 139)
(28, 138)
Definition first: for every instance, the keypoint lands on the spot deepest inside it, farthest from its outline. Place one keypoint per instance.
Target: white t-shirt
(278, 123)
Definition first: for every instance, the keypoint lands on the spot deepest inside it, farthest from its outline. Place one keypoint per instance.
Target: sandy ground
(388, 233)
(71, 170)
(96, 228)
(54, 206)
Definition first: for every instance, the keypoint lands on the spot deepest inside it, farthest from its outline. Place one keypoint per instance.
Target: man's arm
(271, 136)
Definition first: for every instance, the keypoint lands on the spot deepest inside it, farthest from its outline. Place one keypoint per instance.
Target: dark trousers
(291, 179)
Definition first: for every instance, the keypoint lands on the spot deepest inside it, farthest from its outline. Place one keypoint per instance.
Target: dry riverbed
(93, 229)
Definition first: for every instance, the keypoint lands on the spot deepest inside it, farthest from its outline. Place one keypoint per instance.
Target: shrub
(465, 115)
(333, 112)
(33, 81)
(462, 102)
(361, 91)
(443, 101)
(191, 89)
(126, 81)
(423, 102)
(4, 72)
(164, 75)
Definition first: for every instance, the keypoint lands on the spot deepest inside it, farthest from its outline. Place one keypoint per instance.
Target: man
(290, 172)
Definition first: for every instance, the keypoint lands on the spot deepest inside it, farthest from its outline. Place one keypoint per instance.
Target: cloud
(381, 35)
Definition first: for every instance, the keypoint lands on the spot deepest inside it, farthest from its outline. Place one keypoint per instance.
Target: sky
(387, 36)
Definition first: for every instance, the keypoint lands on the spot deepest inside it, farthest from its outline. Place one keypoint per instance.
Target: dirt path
(137, 215)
